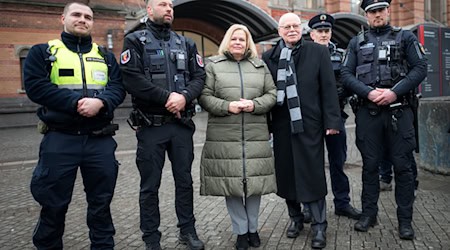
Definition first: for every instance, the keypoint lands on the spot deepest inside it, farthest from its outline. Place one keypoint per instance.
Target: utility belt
(375, 109)
(138, 119)
(109, 129)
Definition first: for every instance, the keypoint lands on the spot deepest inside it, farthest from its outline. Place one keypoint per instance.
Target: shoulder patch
(422, 49)
(125, 57)
(199, 60)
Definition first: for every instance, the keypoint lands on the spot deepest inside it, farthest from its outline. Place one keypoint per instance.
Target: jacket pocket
(364, 74)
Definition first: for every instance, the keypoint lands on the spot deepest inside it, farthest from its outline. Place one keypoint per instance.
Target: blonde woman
(237, 159)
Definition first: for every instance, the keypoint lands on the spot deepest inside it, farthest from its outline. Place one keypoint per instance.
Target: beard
(162, 21)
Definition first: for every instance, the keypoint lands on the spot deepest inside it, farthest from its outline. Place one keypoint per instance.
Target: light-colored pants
(244, 219)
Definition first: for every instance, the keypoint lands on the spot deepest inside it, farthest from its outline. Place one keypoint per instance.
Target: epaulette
(396, 28)
(216, 59)
(340, 50)
(256, 62)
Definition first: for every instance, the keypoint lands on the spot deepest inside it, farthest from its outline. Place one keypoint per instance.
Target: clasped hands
(243, 105)
(89, 107)
(382, 96)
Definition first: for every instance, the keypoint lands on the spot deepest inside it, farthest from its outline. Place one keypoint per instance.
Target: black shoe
(242, 242)
(364, 223)
(153, 246)
(191, 240)
(307, 218)
(349, 212)
(406, 232)
(254, 240)
(320, 240)
(294, 229)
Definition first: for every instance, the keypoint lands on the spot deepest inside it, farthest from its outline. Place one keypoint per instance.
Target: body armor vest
(77, 71)
(381, 60)
(165, 62)
(336, 56)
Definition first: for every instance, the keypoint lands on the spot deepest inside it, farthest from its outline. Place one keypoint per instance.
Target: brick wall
(334, 6)
(410, 12)
(23, 25)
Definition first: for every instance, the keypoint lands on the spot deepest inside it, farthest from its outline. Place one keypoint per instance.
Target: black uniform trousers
(386, 170)
(375, 133)
(337, 155)
(153, 142)
(53, 180)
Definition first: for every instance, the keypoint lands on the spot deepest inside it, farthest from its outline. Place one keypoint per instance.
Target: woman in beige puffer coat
(237, 160)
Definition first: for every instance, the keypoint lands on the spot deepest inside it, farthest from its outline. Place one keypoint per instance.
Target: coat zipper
(83, 73)
(244, 167)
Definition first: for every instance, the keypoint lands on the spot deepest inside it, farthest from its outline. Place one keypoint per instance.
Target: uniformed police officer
(383, 66)
(78, 85)
(321, 30)
(164, 74)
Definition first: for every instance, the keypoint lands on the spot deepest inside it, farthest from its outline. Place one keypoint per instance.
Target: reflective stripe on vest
(67, 69)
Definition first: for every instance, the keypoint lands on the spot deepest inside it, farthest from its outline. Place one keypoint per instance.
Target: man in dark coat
(307, 109)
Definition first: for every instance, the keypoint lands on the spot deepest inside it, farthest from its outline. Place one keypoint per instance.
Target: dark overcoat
(299, 158)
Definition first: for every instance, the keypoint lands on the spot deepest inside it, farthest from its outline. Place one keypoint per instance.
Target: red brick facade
(25, 23)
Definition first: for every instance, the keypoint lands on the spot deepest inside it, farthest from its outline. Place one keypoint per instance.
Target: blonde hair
(250, 46)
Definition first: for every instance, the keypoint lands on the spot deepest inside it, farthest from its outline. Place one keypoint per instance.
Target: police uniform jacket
(417, 66)
(237, 146)
(139, 86)
(299, 158)
(59, 105)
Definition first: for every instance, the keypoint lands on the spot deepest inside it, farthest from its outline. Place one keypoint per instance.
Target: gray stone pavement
(19, 212)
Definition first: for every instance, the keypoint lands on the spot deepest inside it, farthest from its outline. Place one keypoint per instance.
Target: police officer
(321, 26)
(164, 74)
(383, 66)
(78, 85)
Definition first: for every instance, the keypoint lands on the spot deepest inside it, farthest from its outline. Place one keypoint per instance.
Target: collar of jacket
(280, 45)
(160, 31)
(77, 44)
(253, 60)
(380, 30)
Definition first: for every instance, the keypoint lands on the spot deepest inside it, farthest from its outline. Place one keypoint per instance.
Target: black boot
(406, 232)
(242, 242)
(320, 240)
(254, 240)
(191, 240)
(294, 229)
(364, 223)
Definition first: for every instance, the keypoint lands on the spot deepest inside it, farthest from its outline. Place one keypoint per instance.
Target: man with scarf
(307, 109)
(164, 74)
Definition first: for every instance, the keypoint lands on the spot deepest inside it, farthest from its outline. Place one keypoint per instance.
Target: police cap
(321, 21)
(367, 5)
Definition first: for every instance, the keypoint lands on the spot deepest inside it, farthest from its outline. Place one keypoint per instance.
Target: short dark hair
(66, 8)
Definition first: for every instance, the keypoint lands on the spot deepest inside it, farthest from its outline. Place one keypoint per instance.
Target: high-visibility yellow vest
(71, 70)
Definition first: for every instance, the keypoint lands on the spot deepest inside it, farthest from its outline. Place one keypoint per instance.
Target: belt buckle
(158, 120)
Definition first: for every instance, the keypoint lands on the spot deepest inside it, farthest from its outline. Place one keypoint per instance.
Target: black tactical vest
(381, 59)
(336, 56)
(165, 62)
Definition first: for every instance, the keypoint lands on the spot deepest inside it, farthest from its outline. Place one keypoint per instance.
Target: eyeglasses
(288, 27)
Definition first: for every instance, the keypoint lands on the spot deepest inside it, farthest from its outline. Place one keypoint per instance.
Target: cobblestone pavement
(19, 212)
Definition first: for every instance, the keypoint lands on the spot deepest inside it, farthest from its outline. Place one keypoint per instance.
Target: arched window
(205, 46)
(22, 55)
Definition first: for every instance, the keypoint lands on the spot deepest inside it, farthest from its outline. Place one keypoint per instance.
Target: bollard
(434, 136)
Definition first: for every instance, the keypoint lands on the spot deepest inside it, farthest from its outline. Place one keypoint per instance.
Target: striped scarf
(287, 87)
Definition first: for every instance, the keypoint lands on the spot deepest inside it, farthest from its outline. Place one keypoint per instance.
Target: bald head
(290, 29)
(289, 17)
